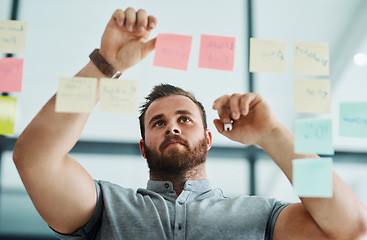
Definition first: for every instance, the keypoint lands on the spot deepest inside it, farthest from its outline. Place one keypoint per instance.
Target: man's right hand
(60, 188)
(125, 40)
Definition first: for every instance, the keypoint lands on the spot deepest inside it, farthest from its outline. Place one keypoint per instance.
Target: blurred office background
(62, 33)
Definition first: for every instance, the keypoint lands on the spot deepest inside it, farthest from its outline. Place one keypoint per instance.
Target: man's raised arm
(341, 217)
(61, 190)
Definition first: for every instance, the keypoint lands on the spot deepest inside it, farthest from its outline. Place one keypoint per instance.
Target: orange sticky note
(217, 52)
(11, 74)
(172, 51)
(7, 114)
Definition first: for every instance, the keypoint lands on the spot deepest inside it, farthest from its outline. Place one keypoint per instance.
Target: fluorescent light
(360, 59)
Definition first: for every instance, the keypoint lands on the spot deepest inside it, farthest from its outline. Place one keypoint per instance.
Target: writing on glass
(217, 52)
(118, 96)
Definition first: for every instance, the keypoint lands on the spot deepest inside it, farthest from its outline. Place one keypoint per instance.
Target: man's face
(175, 138)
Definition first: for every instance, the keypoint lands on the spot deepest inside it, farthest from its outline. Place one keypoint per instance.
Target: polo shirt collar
(199, 186)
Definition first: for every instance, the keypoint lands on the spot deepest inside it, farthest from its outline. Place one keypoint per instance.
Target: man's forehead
(176, 104)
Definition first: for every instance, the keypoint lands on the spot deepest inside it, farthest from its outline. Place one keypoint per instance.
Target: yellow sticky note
(311, 58)
(13, 36)
(8, 106)
(118, 96)
(267, 56)
(76, 95)
(312, 95)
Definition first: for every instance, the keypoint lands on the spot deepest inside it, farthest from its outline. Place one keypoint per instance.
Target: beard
(176, 161)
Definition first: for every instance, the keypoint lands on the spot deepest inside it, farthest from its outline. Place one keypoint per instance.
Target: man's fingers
(130, 19)
(141, 20)
(220, 102)
(119, 17)
(219, 125)
(234, 106)
(222, 106)
(134, 21)
(152, 22)
(247, 101)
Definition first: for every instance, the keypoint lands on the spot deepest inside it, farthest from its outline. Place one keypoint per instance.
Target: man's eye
(159, 124)
(185, 119)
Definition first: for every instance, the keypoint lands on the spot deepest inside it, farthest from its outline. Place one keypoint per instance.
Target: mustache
(169, 138)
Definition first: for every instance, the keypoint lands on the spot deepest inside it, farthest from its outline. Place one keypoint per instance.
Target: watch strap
(101, 63)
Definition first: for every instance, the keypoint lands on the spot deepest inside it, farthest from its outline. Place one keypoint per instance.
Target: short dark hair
(165, 90)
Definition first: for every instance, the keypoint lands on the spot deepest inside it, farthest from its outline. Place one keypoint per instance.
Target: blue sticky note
(353, 119)
(313, 136)
(313, 177)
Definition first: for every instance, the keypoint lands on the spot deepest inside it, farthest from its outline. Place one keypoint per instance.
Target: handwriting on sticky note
(313, 177)
(11, 74)
(312, 95)
(13, 36)
(313, 136)
(118, 96)
(217, 52)
(172, 51)
(311, 58)
(267, 56)
(76, 95)
(7, 114)
(353, 119)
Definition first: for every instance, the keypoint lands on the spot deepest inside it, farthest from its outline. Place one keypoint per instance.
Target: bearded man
(178, 202)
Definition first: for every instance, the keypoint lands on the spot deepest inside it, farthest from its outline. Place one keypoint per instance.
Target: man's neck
(178, 180)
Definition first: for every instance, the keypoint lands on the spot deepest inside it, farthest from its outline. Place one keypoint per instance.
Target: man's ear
(209, 138)
(142, 150)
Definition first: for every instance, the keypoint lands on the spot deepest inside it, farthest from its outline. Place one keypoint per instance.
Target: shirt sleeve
(278, 206)
(89, 230)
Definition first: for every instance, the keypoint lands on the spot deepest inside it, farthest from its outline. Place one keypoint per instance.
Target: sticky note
(13, 36)
(268, 56)
(11, 74)
(118, 96)
(353, 119)
(8, 106)
(313, 177)
(311, 58)
(76, 95)
(313, 136)
(217, 52)
(312, 95)
(172, 51)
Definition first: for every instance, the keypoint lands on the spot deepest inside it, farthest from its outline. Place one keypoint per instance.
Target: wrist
(275, 136)
(91, 70)
(106, 68)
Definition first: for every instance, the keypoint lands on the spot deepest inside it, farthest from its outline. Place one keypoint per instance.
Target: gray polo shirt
(156, 212)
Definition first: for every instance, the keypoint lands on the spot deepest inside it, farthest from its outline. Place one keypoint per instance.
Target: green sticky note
(313, 136)
(313, 177)
(353, 119)
(7, 114)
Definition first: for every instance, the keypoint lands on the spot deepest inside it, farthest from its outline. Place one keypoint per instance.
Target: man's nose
(173, 129)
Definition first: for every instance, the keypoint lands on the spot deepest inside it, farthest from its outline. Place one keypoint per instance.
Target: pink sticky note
(172, 51)
(217, 52)
(11, 74)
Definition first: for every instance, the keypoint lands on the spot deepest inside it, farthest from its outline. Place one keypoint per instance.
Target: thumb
(219, 125)
(148, 47)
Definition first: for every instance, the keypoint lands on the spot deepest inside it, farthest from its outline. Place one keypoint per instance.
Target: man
(178, 202)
